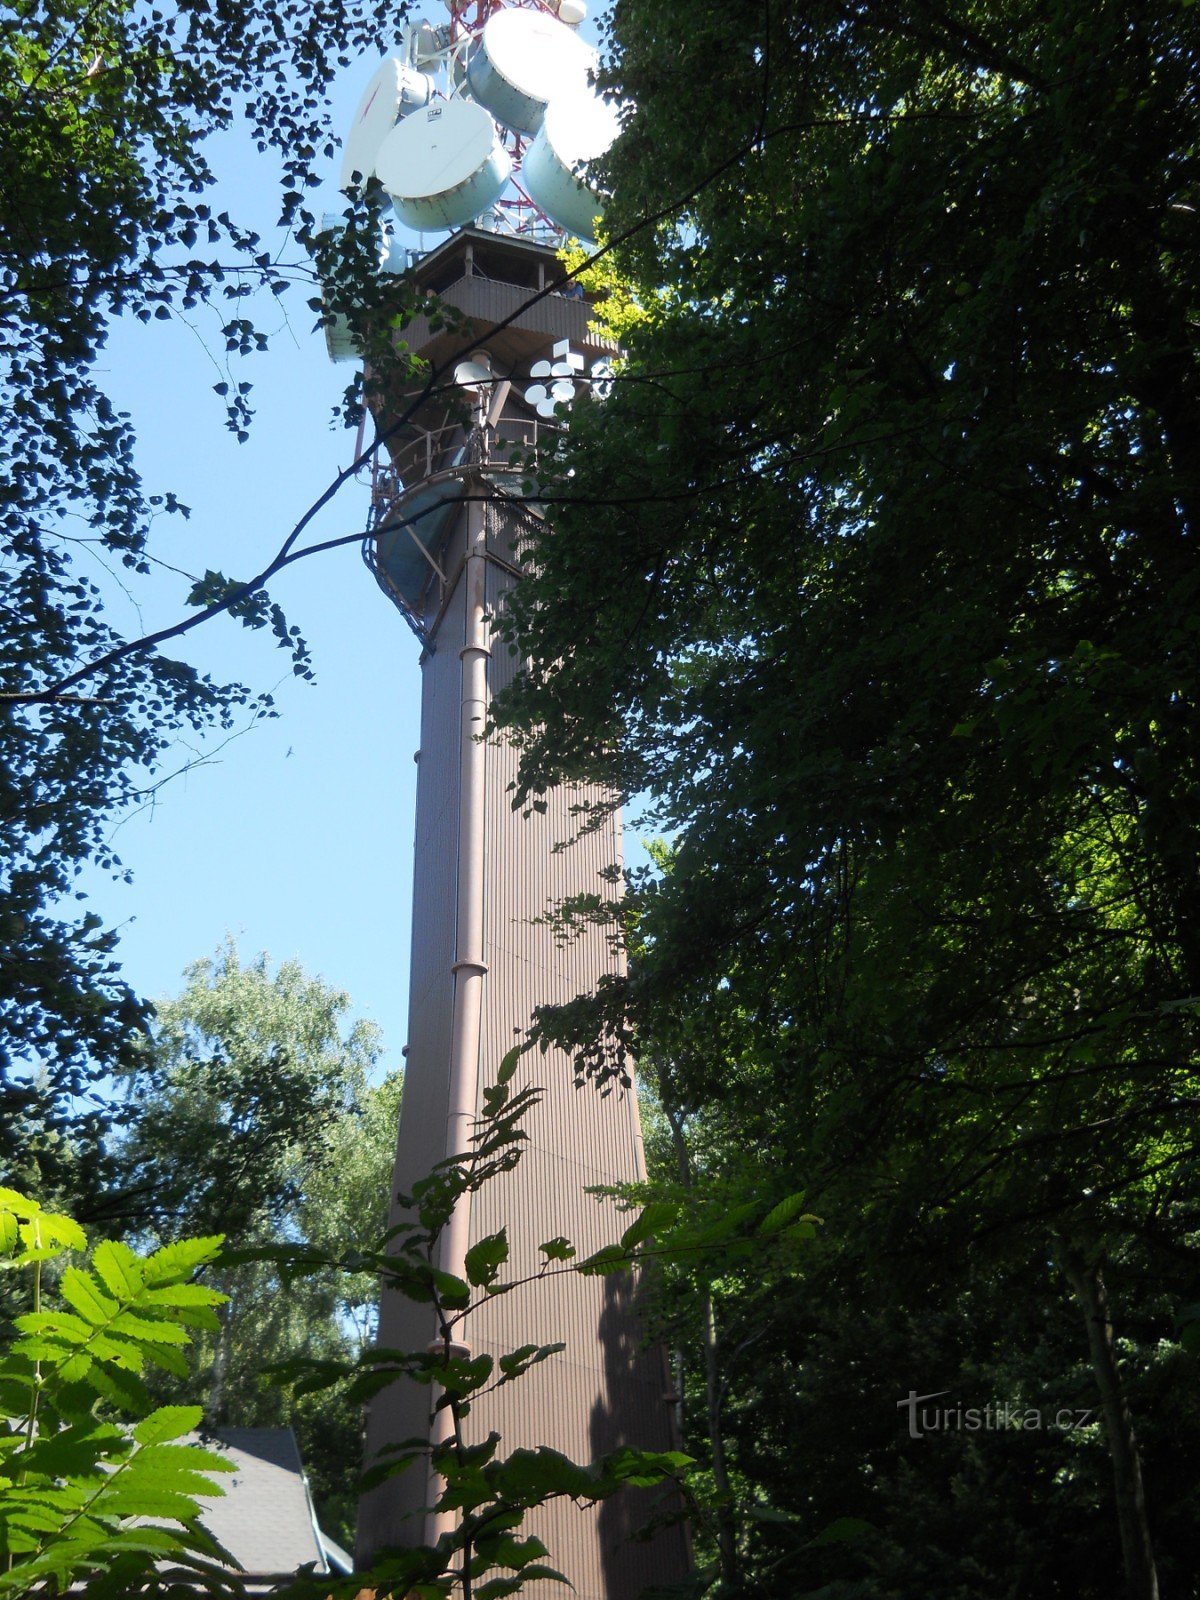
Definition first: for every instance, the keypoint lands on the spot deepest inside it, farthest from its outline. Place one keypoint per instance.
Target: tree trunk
(677, 1371)
(1087, 1280)
(727, 1549)
(220, 1366)
(726, 1525)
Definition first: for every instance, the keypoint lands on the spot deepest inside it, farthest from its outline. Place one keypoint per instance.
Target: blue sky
(295, 836)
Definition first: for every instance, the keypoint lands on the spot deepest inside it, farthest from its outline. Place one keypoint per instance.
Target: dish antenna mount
(488, 117)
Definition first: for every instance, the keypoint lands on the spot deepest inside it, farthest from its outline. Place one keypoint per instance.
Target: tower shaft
(484, 957)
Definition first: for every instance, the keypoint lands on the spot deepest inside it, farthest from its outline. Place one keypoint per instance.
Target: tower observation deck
(445, 547)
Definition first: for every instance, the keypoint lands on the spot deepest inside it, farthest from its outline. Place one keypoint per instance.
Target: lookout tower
(445, 548)
(485, 124)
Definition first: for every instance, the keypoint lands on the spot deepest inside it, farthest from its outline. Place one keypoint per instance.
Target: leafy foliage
(874, 574)
(106, 211)
(247, 1074)
(255, 1115)
(483, 1555)
(83, 1496)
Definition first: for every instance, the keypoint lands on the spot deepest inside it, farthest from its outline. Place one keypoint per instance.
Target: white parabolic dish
(443, 165)
(523, 60)
(577, 127)
(373, 121)
(391, 256)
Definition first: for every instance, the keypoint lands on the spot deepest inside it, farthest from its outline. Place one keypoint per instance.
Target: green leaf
(57, 1325)
(485, 1258)
(610, 1258)
(644, 1468)
(452, 1291)
(72, 1453)
(120, 1387)
(81, 1290)
(658, 1215)
(506, 1550)
(50, 1233)
(164, 1356)
(780, 1215)
(17, 1204)
(494, 1100)
(461, 1375)
(530, 1476)
(176, 1295)
(559, 1249)
(168, 1422)
(727, 1224)
(845, 1530)
(181, 1259)
(529, 1355)
(121, 1272)
(146, 1500)
(130, 1326)
(509, 1064)
(803, 1229)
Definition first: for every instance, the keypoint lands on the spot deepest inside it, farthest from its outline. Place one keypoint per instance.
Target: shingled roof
(266, 1518)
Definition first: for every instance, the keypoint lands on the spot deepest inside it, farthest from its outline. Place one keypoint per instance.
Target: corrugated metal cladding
(557, 316)
(604, 1389)
(403, 1410)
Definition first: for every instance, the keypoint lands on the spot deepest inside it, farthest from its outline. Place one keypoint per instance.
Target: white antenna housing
(522, 60)
(578, 127)
(443, 165)
(395, 90)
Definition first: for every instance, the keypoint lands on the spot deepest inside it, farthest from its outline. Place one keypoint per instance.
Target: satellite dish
(394, 91)
(556, 380)
(443, 165)
(474, 374)
(340, 343)
(390, 256)
(576, 128)
(572, 12)
(426, 43)
(393, 257)
(523, 59)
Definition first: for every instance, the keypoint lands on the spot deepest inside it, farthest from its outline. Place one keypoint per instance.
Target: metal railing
(524, 434)
(445, 449)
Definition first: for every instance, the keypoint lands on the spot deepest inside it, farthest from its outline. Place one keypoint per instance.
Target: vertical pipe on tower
(469, 968)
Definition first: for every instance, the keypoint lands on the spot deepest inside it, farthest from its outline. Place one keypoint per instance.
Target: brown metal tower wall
(604, 1389)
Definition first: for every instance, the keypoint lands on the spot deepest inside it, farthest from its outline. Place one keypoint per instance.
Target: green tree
(106, 210)
(795, 1394)
(875, 574)
(257, 1115)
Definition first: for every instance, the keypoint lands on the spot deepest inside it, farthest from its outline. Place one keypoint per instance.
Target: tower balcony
(416, 502)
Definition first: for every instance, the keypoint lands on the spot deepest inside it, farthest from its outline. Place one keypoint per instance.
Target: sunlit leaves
(77, 1491)
(488, 1491)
